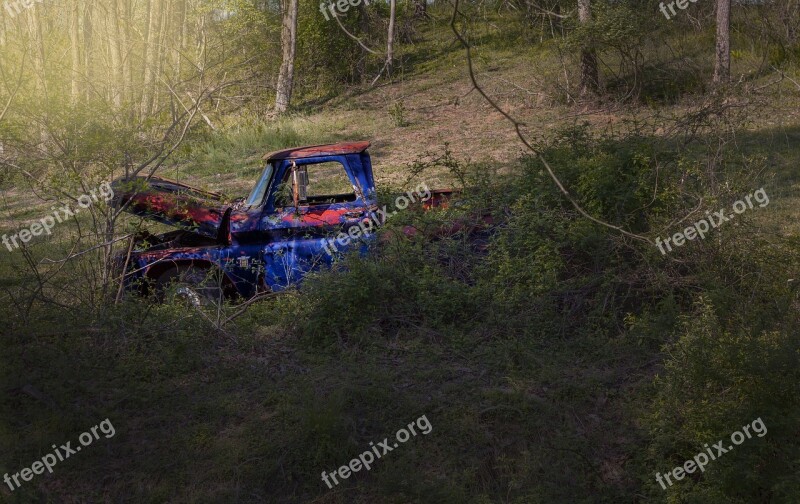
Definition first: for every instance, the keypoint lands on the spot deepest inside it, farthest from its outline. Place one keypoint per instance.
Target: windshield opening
(256, 197)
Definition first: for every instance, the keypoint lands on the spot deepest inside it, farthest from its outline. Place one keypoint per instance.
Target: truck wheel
(191, 285)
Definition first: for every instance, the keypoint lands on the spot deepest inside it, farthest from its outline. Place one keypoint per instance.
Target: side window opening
(327, 183)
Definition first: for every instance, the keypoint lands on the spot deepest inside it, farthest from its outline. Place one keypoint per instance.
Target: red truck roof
(318, 150)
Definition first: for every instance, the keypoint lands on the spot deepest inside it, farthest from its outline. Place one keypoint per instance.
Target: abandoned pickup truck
(262, 243)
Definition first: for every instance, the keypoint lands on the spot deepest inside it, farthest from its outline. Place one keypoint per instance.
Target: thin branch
(72, 256)
(244, 306)
(121, 287)
(14, 93)
(783, 75)
(518, 128)
(379, 74)
(551, 13)
(354, 37)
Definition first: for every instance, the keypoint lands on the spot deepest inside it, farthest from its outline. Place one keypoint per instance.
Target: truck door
(313, 201)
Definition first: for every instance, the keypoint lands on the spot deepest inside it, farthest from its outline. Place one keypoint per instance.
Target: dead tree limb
(518, 128)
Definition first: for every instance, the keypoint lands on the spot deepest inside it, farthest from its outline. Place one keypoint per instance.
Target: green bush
(722, 373)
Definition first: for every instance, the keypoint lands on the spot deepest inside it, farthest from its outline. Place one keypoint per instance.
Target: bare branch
(354, 37)
(73, 256)
(16, 89)
(518, 128)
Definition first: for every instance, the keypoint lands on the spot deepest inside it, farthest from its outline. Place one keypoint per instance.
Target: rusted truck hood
(174, 204)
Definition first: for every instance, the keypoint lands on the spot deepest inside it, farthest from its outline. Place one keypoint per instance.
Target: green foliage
(325, 54)
(566, 271)
(494, 336)
(781, 56)
(397, 111)
(405, 291)
(613, 25)
(721, 375)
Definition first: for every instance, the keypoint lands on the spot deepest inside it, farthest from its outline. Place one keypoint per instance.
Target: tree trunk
(75, 50)
(4, 26)
(38, 43)
(559, 24)
(117, 86)
(390, 37)
(364, 26)
(283, 96)
(151, 42)
(589, 75)
(180, 39)
(722, 64)
(420, 8)
(87, 48)
(127, 49)
(161, 54)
